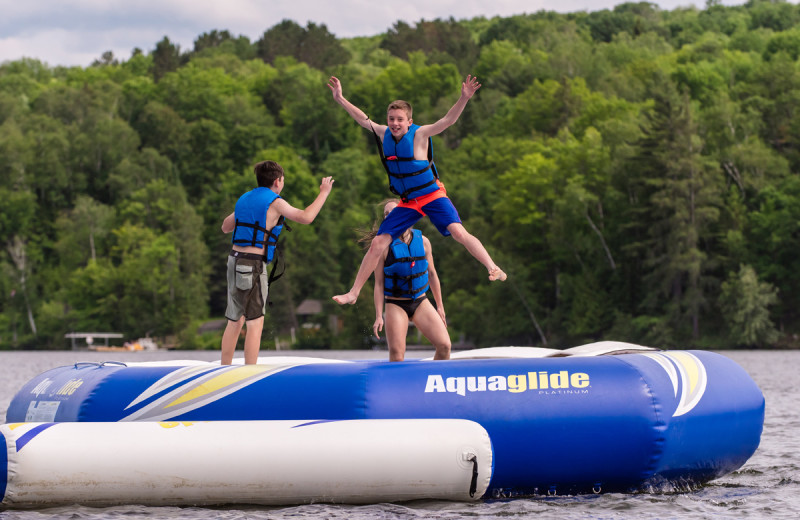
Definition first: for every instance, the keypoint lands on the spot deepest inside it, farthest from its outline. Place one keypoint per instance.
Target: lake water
(767, 486)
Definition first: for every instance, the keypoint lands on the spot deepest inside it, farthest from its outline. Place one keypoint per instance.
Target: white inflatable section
(606, 347)
(251, 462)
(503, 352)
(592, 349)
(272, 360)
(509, 352)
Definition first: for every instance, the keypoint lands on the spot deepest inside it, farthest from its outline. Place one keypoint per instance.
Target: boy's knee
(233, 325)
(379, 243)
(458, 232)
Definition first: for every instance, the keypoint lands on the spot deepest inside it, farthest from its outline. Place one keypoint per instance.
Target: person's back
(256, 224)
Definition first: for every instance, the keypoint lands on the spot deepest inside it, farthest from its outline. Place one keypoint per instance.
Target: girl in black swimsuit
(399, 312)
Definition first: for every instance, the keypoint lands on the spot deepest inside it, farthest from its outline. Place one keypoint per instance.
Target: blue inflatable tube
(574, 424)
(3, 466)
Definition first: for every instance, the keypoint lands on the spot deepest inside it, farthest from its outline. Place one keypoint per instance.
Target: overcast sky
(76, 32)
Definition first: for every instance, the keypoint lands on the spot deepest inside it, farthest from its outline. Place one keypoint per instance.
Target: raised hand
(469, 86)
(336, 87)
(326, 185)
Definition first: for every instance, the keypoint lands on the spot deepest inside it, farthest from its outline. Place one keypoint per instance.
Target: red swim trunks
(416, 204)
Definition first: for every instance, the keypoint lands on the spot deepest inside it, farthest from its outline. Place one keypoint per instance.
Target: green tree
(209, 144)
(82, 230)
(505, 67)
(49, 172)
(745, 303)
(307, 116)
(99, 149)
(770, 240)
(313, 45)
(211, 39)
(778, 15)
(19, 262)
(165, 208)
(777, 98)
(106, 59)
(684, 200)
(161, 128)
(443, 41)
(166, 58)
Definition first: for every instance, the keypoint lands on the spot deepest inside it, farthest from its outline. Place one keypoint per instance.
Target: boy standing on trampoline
(406, 153)
(256, 222)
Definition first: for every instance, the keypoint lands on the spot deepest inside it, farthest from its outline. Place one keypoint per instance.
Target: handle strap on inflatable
(474, 484)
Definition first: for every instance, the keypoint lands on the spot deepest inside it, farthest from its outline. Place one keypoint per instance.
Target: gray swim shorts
(248, 286)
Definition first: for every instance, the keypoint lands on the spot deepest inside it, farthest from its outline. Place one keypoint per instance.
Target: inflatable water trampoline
(495, 422)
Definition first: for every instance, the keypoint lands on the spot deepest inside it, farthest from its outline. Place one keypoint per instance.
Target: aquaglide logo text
(515, 383)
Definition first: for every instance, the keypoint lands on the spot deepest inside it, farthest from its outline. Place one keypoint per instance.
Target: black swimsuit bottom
(410, 306)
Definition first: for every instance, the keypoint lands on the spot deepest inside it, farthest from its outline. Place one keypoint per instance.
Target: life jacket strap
(404, 196)
(404, 259)
(397, 278)
(256, 228)
(397, 292)
(278, 255)
(411, 174)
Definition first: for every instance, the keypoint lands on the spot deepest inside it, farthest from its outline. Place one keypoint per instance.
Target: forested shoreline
(634, 171)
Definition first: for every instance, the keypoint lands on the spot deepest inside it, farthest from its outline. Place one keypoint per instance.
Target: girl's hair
(366, 235)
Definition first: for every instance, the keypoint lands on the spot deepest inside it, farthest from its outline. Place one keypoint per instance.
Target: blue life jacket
(405, 272)
(409, 178)
(251, 215)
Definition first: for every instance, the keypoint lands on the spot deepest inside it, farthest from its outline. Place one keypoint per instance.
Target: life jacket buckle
(391, 158)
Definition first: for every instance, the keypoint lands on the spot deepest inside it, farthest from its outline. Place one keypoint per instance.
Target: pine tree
(683, 197)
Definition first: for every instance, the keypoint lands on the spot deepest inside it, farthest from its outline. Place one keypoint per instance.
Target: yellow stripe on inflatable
(223, 380)
(690, 368)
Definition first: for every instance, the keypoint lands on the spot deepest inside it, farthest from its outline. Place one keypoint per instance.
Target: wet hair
(366, 235)
(267, 172)
(399, 104)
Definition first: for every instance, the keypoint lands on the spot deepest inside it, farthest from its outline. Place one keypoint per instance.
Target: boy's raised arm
(356, 113)
(306, 216)
(468, 88)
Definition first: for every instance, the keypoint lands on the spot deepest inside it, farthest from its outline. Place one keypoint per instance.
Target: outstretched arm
(306, 216)
(356, 113)
(468, 89)
(377, 296)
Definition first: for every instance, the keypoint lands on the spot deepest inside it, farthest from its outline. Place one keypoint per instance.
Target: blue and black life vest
(409, 178)
(251, 215)
(405, 272)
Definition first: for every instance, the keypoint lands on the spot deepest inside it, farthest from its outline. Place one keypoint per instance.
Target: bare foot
(497, 274)
(345, 298)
